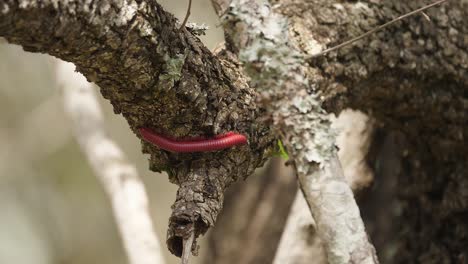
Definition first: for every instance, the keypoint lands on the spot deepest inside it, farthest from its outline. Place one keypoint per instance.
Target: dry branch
(118, 177)
(278, 72)
(410, 77)
(299, 242)
(158, 77)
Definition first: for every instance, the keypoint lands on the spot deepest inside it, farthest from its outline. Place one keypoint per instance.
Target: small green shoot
(282, 151)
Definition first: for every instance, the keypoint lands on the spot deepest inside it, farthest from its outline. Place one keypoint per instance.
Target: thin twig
(187, 15)
(187, 248)
(119, 177)
(372, 31)
(426, 16)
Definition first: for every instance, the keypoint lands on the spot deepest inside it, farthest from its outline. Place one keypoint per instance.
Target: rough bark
(156, 76)
(299, 242)
(412, 77)
(244, 203)
(278, 71)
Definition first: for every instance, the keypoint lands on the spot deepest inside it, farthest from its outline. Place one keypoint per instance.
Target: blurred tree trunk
(250, 226)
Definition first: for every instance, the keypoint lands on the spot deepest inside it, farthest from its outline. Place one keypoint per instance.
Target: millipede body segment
(218, 142)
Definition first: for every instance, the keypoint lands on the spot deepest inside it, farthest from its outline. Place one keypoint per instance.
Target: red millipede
(219, 142)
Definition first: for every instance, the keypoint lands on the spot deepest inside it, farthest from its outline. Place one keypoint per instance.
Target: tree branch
(157, 77)
(187, 15)
(411, 77)
(299, 242)
(278, 71)
(118, 177)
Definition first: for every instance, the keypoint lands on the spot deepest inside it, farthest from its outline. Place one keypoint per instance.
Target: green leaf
(282, 151)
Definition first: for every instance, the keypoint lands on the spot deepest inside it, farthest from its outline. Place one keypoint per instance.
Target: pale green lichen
(278, 72)
(172, 71)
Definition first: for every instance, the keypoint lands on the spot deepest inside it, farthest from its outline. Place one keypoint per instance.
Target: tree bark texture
(156, 76)
(412, 77)
(278, 71)
(275, 189)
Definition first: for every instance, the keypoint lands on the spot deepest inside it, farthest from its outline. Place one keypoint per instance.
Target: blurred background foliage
(53, 209)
